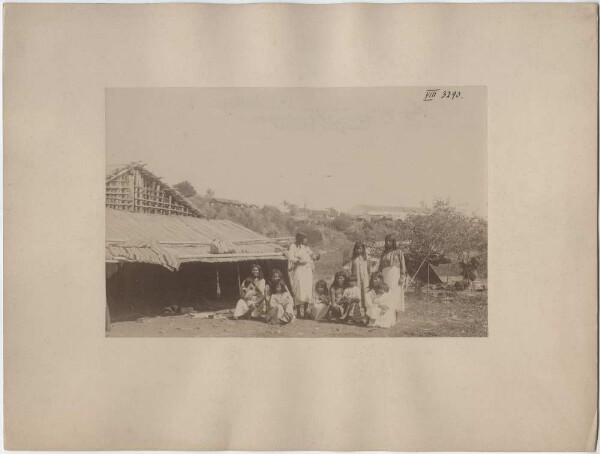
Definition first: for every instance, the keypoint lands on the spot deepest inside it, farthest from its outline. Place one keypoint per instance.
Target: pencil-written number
(451, 94)
(430, 95)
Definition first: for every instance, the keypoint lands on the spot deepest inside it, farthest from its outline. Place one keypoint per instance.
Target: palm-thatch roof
(147, 221)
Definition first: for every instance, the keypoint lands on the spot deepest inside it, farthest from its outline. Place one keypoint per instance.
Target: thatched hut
(160, 250)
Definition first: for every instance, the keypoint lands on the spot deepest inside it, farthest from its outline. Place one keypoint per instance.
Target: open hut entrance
(136, 289)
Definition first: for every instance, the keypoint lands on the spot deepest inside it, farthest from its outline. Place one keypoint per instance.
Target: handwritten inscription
(432, 94)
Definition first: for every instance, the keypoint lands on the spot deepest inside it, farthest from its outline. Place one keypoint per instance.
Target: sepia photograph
(310, 229)
(296, 212)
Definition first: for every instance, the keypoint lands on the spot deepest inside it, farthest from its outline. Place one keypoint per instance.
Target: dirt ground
(437, 313)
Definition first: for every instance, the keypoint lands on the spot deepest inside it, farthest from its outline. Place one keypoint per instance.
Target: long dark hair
(248, 281)
(322, 284)
(355, 254)
(334, 284)
(300, 236)
(390, 237)
(281, 286)
(260, 271)
(276, 275)
(378, 274)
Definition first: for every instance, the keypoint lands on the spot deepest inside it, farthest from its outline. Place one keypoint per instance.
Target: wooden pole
(418, 269)
(107, 320)
(237, 265)
(205, 243)
(132, 191)
(427, 277)
(250, 255)
(135, 189)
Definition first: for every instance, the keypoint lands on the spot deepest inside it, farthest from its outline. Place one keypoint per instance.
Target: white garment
(360, 268)
(301, 273)
(391, 276)
(380, 310)
(352, 293)
(242, 307)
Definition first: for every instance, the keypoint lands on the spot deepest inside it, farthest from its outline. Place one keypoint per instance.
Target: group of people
(356, 296)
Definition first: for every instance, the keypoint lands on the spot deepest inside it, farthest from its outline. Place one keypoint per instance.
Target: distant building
(301, 216)
(373, 212)
(230, 202)
(324, 214)
(307, 214)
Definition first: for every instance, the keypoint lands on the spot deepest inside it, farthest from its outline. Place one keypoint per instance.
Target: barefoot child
(276, 276)
(359, 266)
(379, 303)
(337, 309)
(319, 305)
(352, 299)
(281, 309)
(251, 297)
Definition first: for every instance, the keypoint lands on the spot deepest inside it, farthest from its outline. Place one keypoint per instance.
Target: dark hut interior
(161, 253)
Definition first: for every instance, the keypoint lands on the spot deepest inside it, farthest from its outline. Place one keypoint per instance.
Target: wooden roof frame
(174, 192)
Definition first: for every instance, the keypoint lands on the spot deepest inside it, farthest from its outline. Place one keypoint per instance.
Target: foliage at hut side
(443, 228)
(436, 231)
(185, 188)
(267, 220)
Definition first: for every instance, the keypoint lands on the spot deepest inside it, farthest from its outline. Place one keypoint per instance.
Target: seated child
(251, 294)
(351, 301)
(319, 306)
(281, 306)
(276, 276)
(337, 309)
(378, 303)
(251, 297)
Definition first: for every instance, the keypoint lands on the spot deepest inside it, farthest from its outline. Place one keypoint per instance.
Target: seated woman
(379, 304)
(281, 305)
(252, 291)
(339, 306)
(319, 305)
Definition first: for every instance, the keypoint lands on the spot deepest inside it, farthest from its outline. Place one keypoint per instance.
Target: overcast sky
(326, 147)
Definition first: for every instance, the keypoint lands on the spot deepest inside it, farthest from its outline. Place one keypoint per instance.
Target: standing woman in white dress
(359, 267)
(300, 266)
(393, 268)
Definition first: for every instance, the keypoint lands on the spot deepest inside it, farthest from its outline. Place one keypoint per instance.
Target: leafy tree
(291, 207)
(362, 231)
(185, 188)
(445, 229)
(203, 205)
(210, 194)
(435, 230)
(342, 222)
